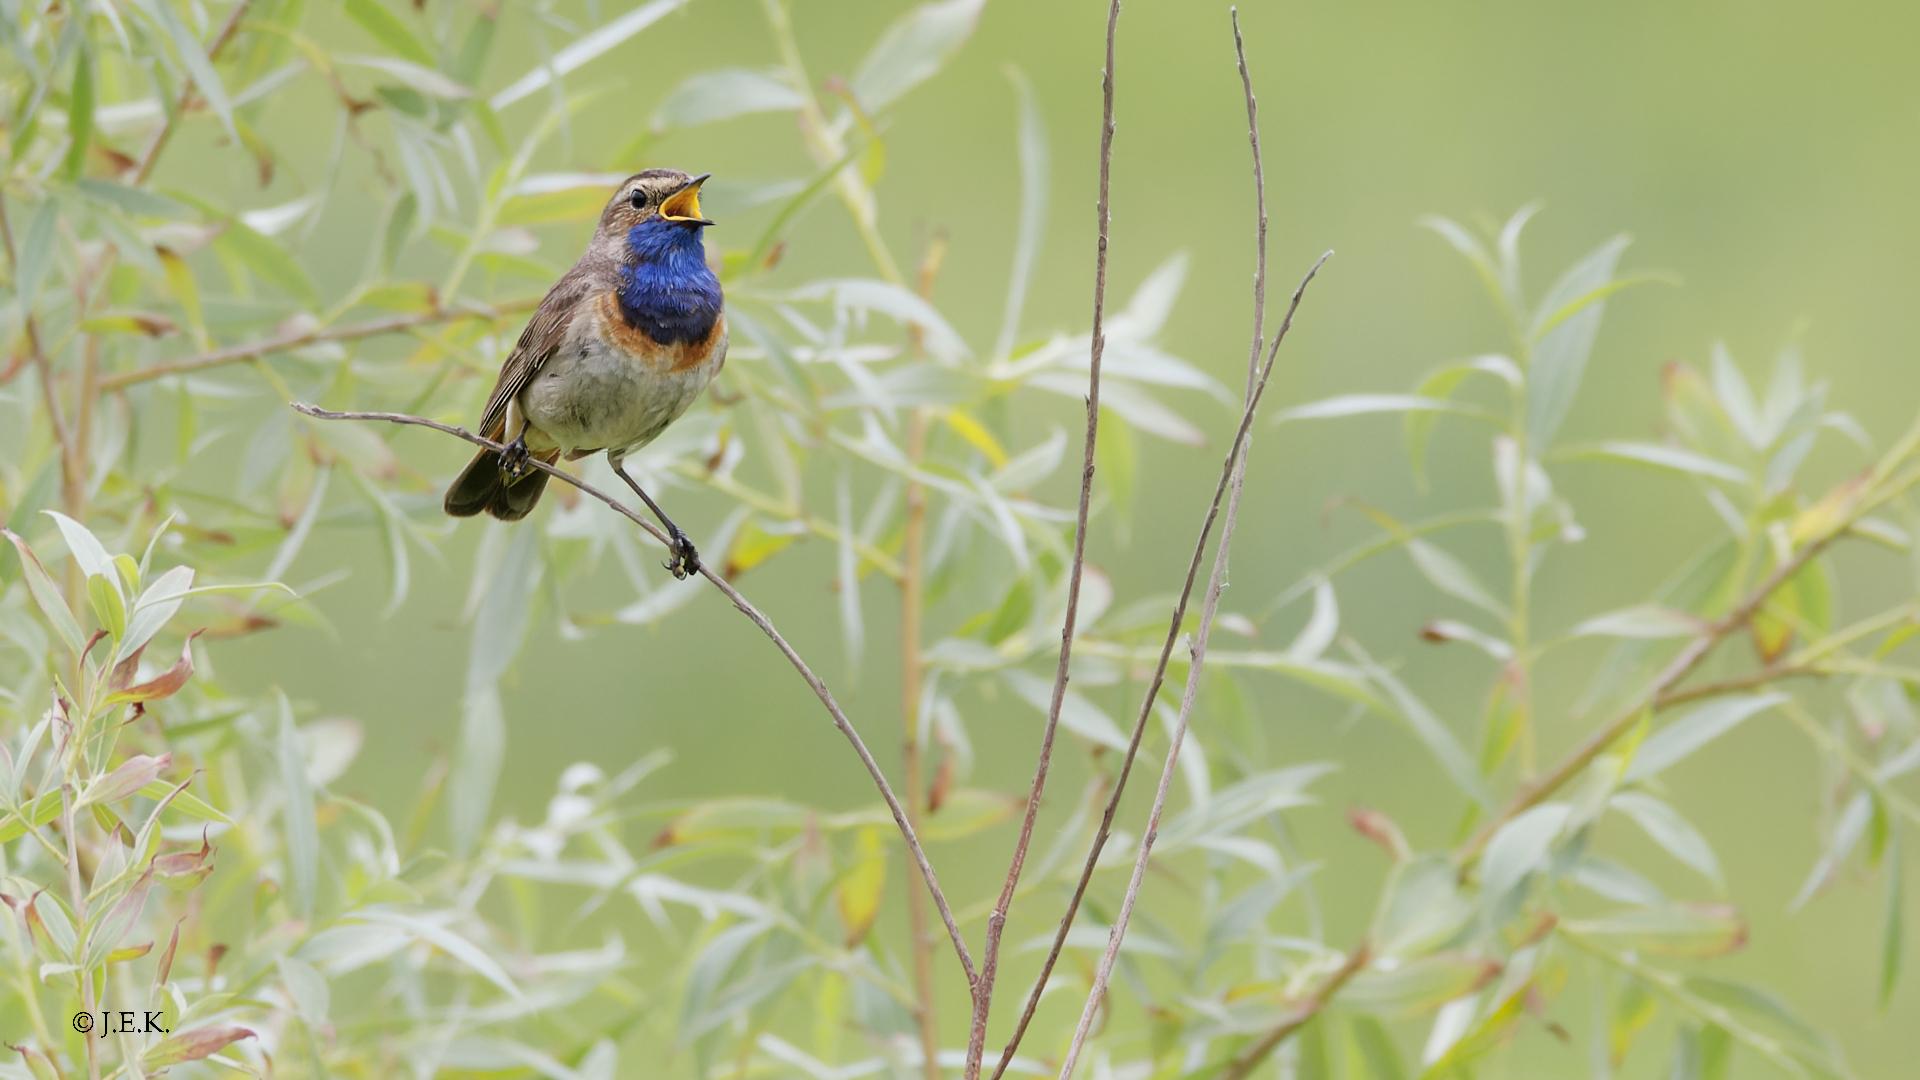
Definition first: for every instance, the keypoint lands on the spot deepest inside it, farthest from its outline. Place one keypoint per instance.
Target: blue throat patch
(666, 288)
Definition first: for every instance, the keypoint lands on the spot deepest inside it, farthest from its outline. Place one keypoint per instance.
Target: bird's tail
(485, 485)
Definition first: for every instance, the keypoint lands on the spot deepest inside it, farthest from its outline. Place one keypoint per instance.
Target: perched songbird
(619, 349)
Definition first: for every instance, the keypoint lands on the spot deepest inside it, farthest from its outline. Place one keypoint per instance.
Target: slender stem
(1250, 1058)
(912, 674)
(1236, 475)
(825, 145)
(1254, 390)
(159, 143)
(997, 921)
(753, 614)
(295, 339)
(1153, 688)
(79, 894)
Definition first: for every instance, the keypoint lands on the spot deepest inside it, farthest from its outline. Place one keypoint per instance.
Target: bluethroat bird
(619, 348)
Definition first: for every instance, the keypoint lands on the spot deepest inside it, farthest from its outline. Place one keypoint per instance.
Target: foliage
(154, 329)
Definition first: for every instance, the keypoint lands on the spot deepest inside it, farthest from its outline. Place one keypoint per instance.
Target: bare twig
(1250, 1059)
(912, 678)
(752, 613)
(1227, 473)
(159, 143)
(997, 921)
(295, 339)
(1231, 478)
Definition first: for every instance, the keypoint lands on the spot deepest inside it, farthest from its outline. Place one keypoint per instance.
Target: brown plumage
(612, 362)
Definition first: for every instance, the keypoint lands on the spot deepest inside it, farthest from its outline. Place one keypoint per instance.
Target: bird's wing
(538, 342)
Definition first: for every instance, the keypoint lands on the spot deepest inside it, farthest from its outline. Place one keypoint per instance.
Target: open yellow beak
(684, 205)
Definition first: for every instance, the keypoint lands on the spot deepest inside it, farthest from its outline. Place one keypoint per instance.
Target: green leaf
(726, 93)
(1451, 576)
(1893, 927)
(40, 812)
(1313, 1061)
(1640, 622)
(393, 529)
(1677, 740)
(312, 999)
(79, 115)
(1423, 908)
(104, 597)
(1362, 404)
(968, 811)
(1077, 713)
(1475, 253)
(267, 262)
(184, 801)
(1035, 166)
(1518, 849)
(386, 27)
(1239, 805)
(1560, 355)
(421, 78)
(1663, 457)
(297, 822)
(1701, 1052)
(46, 595)
(1440, 385)
(471, 62)
(913, 50)
(1684, 930)
(138, 202)
(862, 885)
(1377, 1057)
(1633, 1009)
(35, 255)
(438, 935)
(1670, 831)
(1428, 728)
(853, 627)
(1419, 986)
(186, 292)
(588, 47)
(498, 632)
(205, 79)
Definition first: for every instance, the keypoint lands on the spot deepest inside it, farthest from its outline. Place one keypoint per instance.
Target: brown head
(656, 193)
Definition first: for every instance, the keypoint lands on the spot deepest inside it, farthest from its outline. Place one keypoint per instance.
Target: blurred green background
(1766, 154)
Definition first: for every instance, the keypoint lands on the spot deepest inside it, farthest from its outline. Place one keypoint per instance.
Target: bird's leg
(685, 559)
(513, 459)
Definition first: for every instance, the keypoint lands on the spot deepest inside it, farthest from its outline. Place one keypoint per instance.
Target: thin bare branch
(1242, 1066)
(1254, 389)
(295, 339)
(159, 143)
(1232, 478)
(752, 613)
(997, 921)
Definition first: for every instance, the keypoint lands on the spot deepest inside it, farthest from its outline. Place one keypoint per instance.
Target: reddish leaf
(138, 771)
(166, 684)
(193, 1045)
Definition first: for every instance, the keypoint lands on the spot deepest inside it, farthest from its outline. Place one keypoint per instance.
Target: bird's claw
(513, 459)
(684, 561)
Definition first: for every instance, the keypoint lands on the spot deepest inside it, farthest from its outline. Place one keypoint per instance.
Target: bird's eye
(638, 199)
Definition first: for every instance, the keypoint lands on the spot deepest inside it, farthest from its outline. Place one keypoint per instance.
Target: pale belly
(592, 396)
